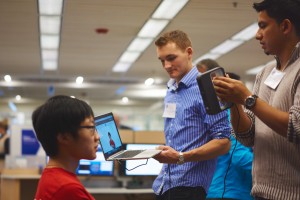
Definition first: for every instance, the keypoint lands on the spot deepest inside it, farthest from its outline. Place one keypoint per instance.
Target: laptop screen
(110, 140)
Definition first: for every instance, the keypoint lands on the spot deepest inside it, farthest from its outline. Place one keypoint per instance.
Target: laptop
(111, 143)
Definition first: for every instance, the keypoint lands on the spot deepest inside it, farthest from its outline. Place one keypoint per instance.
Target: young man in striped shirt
(194, 139)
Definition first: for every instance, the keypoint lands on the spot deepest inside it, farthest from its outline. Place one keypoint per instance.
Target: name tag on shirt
(274, 78)
(170, 110)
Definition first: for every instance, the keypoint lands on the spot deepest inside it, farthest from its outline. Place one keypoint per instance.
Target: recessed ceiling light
(7, 78)
(18, 97)
(125, 99)
(149, 81)
(79, 80)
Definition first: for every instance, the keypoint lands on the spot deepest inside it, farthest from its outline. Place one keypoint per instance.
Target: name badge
(170, 110)
(274, 78)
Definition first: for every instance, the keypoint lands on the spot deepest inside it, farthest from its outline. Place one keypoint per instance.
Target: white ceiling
(91, 55)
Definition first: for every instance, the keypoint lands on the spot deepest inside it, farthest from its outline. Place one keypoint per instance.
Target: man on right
(270, 118)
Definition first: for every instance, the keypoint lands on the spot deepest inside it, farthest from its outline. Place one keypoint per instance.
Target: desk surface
(98, 190)
(20, 176)
(119, 191)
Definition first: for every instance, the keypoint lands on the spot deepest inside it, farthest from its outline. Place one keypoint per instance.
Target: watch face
(181, 159)
(250, 102)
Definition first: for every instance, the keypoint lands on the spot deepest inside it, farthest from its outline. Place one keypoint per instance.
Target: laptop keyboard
(128, 154)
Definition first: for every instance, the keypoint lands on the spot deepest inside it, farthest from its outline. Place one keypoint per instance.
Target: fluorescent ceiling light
(121, 67)
(226, 46)
(272, 62)
(50, 24)
(49, 41)
(129, 57)
(50, 7)
(152, 28)
(168, 9)
(49, 54)
(50, 65)
(247, 33)
(257, 69)
(139, 44)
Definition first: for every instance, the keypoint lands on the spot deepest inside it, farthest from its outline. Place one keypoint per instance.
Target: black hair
(280, 10)
(59, 115)
(233, 75)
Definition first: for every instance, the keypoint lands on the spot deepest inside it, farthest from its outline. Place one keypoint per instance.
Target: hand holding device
(212, 103)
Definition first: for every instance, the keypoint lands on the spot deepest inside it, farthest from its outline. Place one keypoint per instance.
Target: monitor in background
(152, 168)
(97, 167)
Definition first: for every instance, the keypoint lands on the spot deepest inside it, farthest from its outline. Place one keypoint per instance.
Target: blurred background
(103, 51)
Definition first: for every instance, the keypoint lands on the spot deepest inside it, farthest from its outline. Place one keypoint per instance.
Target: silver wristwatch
(180, 158)
(250, 101)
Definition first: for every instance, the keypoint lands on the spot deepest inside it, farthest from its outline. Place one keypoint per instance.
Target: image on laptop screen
(109, 136)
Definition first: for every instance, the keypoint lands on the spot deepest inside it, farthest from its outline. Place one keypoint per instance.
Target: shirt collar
(186, 81)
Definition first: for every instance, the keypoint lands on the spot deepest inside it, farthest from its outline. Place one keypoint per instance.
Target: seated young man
(65, 128)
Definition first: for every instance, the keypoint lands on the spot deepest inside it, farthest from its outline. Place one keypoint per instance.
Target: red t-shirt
(59, 184)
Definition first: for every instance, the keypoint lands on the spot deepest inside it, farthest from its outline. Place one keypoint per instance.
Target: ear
(63, 138)
(189, 50)
(286, 26)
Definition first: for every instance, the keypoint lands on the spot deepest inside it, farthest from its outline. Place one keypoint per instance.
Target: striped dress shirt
(191, 128)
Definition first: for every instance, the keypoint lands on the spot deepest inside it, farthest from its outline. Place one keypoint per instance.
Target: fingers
(168, 155)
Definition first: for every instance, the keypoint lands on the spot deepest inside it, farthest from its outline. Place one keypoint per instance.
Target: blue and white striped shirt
(191, 128)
